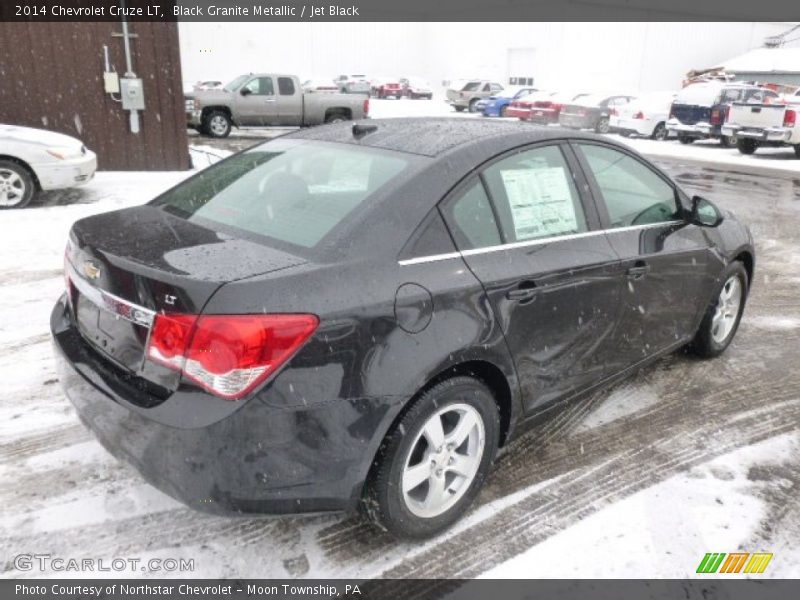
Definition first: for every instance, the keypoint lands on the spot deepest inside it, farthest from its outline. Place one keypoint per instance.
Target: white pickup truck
(757, 125)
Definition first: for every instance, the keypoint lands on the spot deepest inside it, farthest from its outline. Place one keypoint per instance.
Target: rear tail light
(613, 112)
(228, 355)
(639, 115)
(366, 106)
(716, 117)
(789, 118)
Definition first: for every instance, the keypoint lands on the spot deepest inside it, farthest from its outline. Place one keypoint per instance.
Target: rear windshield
(293, 191)
(471, 86)
(698, 95)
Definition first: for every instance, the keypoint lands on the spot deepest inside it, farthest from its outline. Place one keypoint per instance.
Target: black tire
(704, 343)
(727, 141)
(383, 500)
(685, 139)
(472, 104)
(660, 133)
(797, 150)
(459, 108)
(336, 117)
(217, 124)
(17, 186)
(602, 125)
(746, 146)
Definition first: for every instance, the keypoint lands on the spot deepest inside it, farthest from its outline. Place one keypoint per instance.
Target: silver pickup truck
(268, 99)
(755, 125)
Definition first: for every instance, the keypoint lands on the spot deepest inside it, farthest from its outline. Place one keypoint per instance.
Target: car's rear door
(289, 102)
(528, 235)
(664, 260)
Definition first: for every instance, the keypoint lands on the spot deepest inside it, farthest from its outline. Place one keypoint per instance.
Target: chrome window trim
(537, 242)
(124, 309)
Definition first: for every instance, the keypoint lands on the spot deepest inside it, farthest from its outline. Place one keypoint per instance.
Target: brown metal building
(51, 77)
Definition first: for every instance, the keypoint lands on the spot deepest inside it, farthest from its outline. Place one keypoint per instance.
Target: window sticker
(541, 202)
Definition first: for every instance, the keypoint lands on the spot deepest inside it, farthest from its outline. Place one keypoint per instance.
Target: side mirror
(246, 91)
(705, 213)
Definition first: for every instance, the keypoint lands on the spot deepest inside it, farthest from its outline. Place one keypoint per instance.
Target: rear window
(699, 95)
(471, 86)
(293, 191)
(285, 86)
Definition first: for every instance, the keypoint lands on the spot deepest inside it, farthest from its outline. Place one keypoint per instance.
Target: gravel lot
(685, 458)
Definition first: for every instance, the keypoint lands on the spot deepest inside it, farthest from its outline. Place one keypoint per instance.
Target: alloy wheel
(12, 188)
(727, 311)
(443, 460)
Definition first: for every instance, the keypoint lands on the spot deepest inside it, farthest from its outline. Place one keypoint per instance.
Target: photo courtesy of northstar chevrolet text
(405, 300)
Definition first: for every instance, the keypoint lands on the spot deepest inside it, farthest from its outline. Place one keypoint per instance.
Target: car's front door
(526, 233)
(256, 103)
(664, 261)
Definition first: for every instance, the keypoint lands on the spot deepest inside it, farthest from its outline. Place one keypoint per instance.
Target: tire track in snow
(349, 541)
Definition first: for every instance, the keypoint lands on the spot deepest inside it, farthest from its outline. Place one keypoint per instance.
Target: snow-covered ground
(685, 458)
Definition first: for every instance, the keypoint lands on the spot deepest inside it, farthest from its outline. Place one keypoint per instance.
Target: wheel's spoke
(414, 476)
(434, 433)
(437, 495)
(464, 427)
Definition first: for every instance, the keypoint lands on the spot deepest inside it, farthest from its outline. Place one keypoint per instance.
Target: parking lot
(687, 457)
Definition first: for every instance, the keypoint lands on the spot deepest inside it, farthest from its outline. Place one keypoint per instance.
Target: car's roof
(431, 136)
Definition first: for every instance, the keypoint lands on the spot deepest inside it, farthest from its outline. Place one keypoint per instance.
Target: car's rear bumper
(543, 116)
(67, 173)
(518, 113)
(697, 130)
(767, 134)
(257, 458)
(576, 121)
(638, 126)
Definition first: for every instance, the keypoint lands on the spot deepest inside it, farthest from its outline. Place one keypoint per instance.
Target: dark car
(361, 315)
(591, 112)
(700, 110)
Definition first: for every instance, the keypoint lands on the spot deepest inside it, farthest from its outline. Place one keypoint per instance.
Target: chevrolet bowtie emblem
(91, 269)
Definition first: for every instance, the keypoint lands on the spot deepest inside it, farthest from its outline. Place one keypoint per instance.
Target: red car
(521, 107)
(547, 110)
(390, 89)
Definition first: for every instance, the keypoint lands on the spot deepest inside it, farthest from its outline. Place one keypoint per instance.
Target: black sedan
(591, 111)
(362, 314)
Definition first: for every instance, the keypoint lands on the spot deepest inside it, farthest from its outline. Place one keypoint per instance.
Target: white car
(645, 115)
(35, 159)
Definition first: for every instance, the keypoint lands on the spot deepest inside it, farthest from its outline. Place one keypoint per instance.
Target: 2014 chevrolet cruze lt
(362, 314)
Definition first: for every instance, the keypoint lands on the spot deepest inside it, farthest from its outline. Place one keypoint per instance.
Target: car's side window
(632, 192)
(535, 196)
(260, 86)
(471, 219)
(285, 86)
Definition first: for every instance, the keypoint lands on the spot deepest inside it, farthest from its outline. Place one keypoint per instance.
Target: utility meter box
(111, 82)
(132, 92)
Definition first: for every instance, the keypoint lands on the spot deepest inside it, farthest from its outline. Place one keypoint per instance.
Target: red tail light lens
(228, 355)
(639, 115)
(789, 118)
(366, 106)
(716, 117)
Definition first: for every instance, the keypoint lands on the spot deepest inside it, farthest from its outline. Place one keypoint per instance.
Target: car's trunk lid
(127, 266)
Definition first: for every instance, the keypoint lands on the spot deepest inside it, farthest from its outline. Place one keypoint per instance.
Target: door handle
(524, 292)
(638, 270)
(270, 100)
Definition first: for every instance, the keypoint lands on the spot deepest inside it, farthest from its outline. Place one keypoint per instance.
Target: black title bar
(399, 10)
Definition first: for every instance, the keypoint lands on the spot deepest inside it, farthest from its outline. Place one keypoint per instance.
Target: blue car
(495, 106)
